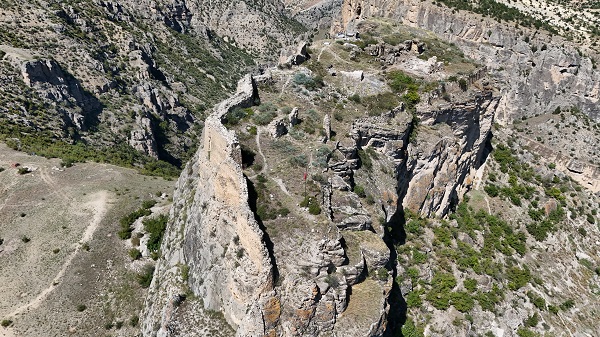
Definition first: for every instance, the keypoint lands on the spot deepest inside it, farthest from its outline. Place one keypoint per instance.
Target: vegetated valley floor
(63, 268)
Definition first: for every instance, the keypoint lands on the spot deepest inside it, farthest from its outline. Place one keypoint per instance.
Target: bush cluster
(127, 221)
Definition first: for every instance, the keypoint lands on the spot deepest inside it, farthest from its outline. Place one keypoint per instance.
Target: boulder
(293, 56)
(278, 128)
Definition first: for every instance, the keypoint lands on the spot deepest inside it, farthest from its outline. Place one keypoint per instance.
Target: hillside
(346, 168)
(128, 82)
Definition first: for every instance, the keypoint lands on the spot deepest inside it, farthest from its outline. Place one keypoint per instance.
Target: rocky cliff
(535, 71)
(328, 272)
(215, 236)
(139, 74)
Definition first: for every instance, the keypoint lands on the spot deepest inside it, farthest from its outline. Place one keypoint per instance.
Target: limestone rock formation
(222, 243)
(215, 236)
(61, 89)
(533, 87)
(294, 56)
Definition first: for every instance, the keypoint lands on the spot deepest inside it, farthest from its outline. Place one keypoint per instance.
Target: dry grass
(63, 210)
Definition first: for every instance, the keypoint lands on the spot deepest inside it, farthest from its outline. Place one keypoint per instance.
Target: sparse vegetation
(156, 228)
(144, 278)
(135, 254)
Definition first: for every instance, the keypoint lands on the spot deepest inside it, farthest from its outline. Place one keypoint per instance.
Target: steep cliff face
(139, 74)
(213, 233)
(536, 72)
(450, 147)
(316, 274)
(214, 236)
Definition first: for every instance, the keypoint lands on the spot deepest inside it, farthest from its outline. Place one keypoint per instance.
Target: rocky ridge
(545, 72)
(318, 289)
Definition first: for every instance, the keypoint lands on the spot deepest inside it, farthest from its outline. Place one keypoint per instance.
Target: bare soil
(60, 250)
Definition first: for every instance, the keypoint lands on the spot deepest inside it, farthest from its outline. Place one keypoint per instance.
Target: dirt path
(265, 164)
(50, 182)
(98, 208)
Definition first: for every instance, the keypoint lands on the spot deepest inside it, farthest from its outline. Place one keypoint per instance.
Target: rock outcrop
(435, 153)
(541, 69)
(59, 88)
(221, 242)
(263, 288)
(441, 165)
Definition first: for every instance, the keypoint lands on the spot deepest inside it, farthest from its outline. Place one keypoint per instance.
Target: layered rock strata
(536, 72)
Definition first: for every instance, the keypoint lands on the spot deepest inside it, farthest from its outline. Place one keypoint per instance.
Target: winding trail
(50, 182)
(98, 207)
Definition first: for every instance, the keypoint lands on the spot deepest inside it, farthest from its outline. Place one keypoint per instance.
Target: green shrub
(411, 99)
(144, 278)
(537, 301)
(492, 190)
(185, 272)
(6, 323)
(300, 160)
(470, 284)
(354, 98)
(147, 204)
(128, 220)
(365, 159)
(568, 304)
(156, 228)
(264, 117)
(314, 208)
(524, 332)
(25, 239)
(310, 83)
(517, 277)
(135, 254)
(462, 301)
(415, 225)
(134, 320)
(23, 170)
(360, 191)
(590, 218)
(68, 162)
(409, 329)
(441, 292)
(490, 299)
(419, 257)
(81, 307)
(236, 115)
(400, 81)
(413, 299)
(312, 204)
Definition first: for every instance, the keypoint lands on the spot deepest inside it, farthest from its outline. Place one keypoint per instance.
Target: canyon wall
(536, 72)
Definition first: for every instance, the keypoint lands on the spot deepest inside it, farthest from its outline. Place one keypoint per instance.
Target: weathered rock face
(315, 14)
(436, 156)
(221, 243)
(234, 20)
(231, 265)
(536, 73)
(61, 89)
(294, 56)
(446, 155)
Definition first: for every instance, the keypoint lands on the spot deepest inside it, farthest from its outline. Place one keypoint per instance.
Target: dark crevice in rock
(252, 199)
